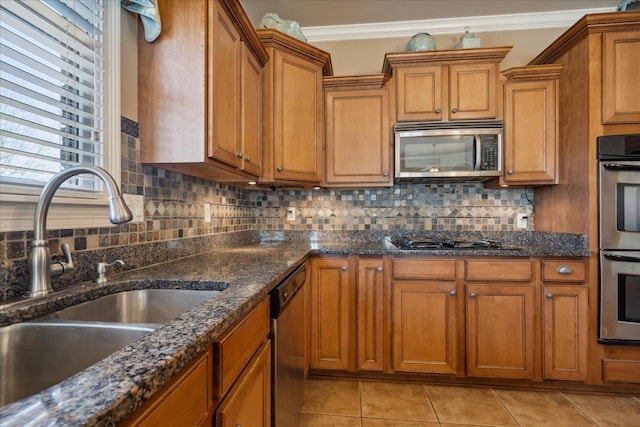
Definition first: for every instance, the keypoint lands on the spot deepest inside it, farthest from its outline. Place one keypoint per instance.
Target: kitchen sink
(36, 356)
(137, 306)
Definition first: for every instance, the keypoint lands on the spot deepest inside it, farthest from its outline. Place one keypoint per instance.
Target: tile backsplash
(174, 209)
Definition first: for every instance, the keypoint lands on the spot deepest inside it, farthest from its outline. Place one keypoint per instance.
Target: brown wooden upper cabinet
(293, 108)
(531, 125)
(358, 134)
(621, 59)
(447, 85)
(200, 92)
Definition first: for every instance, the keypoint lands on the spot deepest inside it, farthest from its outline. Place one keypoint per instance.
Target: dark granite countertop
(105, 393)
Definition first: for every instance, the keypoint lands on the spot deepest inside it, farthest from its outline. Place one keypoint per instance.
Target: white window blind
(52, 87)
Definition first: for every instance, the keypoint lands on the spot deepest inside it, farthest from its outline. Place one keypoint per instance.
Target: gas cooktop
(427, 243)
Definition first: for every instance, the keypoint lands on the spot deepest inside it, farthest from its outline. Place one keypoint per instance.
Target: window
(59, 106)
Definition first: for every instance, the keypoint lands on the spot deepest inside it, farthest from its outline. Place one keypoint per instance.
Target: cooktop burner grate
(443, 243)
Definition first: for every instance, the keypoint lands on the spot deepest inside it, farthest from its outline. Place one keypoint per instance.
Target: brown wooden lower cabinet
(424, 321)
(565, 312)
(502, 318)
(185, 401)
(248, 403)
(500, 330)
(331, 302)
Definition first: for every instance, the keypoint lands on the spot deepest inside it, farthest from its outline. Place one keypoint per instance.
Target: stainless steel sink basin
(137, 306)
(35, 356)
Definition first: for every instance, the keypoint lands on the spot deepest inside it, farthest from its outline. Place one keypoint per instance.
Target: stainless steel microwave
(451, 151)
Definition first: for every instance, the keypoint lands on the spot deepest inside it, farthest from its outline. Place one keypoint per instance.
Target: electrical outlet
(521, 220)
(291, 214)
(136, 205)
(207, 212)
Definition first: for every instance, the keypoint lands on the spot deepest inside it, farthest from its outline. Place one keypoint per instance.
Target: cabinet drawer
(499, 270)
(184, 401)
(625, 371)
(235, 349)
(564, 270)
(436, 269)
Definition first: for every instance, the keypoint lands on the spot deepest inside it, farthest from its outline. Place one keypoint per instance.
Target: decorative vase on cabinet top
(421, 41)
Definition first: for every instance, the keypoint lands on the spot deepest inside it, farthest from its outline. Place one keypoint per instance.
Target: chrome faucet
(40, 267)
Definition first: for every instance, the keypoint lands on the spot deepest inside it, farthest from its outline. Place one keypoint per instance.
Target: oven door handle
(624, 258)
(621, 167)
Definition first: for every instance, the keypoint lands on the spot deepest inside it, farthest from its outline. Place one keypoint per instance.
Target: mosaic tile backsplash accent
(433, 207)
(174, 209)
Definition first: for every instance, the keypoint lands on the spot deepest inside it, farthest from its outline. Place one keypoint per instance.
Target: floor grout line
(579, 408)
(506, 408)
(433, 407)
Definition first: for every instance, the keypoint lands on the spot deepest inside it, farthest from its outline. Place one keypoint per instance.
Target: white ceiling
(319, 18)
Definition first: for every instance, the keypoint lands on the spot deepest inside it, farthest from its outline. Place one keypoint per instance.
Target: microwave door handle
(624, 258)
(477, 142)
(621, 167)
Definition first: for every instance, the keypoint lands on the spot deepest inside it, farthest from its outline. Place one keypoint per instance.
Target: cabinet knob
(452, 293)
(279, 169)
(549, 295)
(248, 158)
(454, 110)
(564, 269)
(239, 155)
(510, 171)
(472, 295)
(379, 269)
(438, 111)
(343, 268)
(385, 173)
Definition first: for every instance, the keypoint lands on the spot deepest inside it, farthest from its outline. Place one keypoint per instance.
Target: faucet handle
(101, 269)
(60, 267)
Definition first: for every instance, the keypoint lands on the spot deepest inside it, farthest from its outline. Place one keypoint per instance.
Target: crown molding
(478, 24)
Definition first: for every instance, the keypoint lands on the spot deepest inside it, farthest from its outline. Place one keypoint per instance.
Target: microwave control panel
(489, 153)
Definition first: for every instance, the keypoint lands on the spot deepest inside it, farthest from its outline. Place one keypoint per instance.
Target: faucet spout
(40, 257)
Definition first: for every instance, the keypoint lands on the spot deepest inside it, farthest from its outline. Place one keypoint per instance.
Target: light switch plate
(136, 205)
(291, 214)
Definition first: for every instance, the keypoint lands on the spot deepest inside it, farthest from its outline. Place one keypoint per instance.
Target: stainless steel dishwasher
(287, 335)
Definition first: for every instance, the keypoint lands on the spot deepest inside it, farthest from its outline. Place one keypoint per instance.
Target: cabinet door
(251, 120)
(565, 332)
(330, 313)
(249, 401)
(370, 292)
(224, 89)
(473, 91)
(357, 138)
(500, 331)
(621, 83)
(424, 326)
(419, 93)
(298, 118)
(530, 132)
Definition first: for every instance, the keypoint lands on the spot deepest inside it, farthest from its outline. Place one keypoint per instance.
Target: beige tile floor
(344, 403)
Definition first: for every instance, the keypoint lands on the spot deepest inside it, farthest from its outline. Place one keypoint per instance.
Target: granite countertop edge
(105, 393)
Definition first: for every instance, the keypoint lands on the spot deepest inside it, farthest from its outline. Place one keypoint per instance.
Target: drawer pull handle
(452, 293)
(472, 295)
(549, 295)
(564, 269)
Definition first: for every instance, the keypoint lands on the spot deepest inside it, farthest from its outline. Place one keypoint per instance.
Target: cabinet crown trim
(589, 24)
(534, 72)
(275, 39)
(410, 59)
(373, 81)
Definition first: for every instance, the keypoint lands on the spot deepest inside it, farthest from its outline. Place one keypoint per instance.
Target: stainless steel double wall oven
(619, 220)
